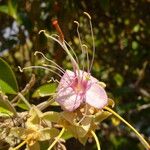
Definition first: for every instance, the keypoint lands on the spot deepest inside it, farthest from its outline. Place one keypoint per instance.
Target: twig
(26, 89)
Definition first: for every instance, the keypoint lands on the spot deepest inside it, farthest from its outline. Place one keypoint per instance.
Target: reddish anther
(58, 29)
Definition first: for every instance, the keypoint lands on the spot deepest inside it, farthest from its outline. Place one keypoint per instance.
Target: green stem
(24, 100)
(143, 141)
(57, 138)
(96, 140)
(20, 145)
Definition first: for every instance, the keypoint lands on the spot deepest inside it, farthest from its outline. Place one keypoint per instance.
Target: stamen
(72, 52)
(37, 52)
(87, 56)
(51, 66)
(58, 29)
(69, 47)
(77, 23)
(53, 80)
(91, 28)
(38, 67)
(63, 45)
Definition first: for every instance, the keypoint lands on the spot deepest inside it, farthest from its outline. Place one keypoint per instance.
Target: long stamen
(72, 52)
(77, 23)
(69, 47)
(51, 66)
(63, 45)
(143, 141)
(38, 67)
(37, 52)
(91, 28)
(87, 57)
(53, 80)
(56, 25)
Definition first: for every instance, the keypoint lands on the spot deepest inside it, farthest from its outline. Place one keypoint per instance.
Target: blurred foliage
(122, 33)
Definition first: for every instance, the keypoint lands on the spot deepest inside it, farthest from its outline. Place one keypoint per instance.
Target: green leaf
(22, 105)
(67, 135)
(119, 79)
(12, 9)
(4, 9)
(5, 106)
(5, 112)
(47, 133)
(51, 116)
(45, 90)
(8, 83)
(4, 87)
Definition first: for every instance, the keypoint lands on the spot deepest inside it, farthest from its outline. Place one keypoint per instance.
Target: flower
(78, 87)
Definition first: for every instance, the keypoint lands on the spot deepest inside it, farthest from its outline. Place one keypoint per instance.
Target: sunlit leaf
(47, 133)
(22, 105)
(4, 87)
(119, 79)
(4, 9)
(6, 106)
(45, 90)
(8, 83)
(51, 116)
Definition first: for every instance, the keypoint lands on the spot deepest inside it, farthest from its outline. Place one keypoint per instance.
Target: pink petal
(96, 96)
(66, 96)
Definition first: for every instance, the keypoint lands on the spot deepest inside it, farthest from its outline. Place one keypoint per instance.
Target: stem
(96, 140)
(20, 145)
(143, 141)
(57, 138)
(24, 100)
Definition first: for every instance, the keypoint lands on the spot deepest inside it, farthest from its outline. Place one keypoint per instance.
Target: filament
(77, 23)
(143, 141)
(87, 56)
(37, 52)
(38, 67)
(51, 66)
(53, 80)
(72, 52)
(91, 29)
(69, 47)
(75, 65)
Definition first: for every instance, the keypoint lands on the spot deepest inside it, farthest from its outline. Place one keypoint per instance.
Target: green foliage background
(122, 34)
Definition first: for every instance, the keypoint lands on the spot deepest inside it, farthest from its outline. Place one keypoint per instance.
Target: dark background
(122, 38)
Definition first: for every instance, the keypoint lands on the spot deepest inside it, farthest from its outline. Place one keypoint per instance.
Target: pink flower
(76, 88)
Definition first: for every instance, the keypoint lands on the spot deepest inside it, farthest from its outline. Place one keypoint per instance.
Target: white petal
(96, 96)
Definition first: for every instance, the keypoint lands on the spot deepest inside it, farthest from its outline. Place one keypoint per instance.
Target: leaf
(67, 135)
(51, 116)
(8, 83)
(5, 112)
(101, 115)
(4, 9)
(119, 79)
(5, 106)
(45, 90)
(22, 105)
(5, 88)
(47, 133)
